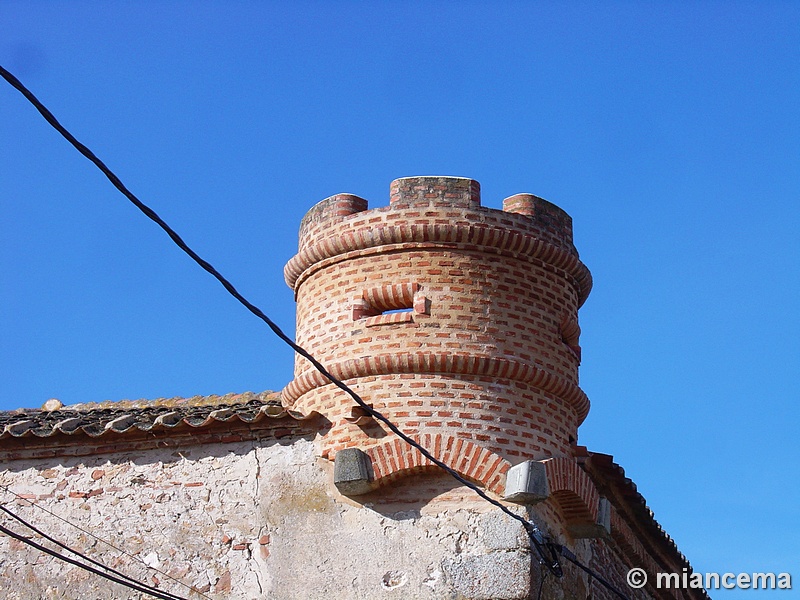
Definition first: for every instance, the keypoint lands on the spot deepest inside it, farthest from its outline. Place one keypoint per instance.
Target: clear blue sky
(669, 131)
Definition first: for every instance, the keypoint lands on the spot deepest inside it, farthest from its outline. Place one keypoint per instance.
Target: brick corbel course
(576, 494)
(393, 459)
(443, 363)
(630, 545)
(480, 237)
(587, 515)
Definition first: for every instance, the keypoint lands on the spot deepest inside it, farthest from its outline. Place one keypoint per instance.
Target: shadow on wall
(408, 496)
(144, 451)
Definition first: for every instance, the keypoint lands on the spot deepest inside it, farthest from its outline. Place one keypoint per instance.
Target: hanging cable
(106, 542)
(567, 553)
(547, 558)
(542, 576)
(83, 556)
(134, 586)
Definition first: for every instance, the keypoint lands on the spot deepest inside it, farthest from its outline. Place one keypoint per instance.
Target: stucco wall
(244, 521)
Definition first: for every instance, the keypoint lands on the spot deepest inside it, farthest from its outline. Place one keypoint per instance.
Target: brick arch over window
(394, 459)
(574, 491)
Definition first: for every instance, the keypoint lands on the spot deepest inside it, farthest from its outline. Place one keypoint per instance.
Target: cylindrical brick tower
(445, 316)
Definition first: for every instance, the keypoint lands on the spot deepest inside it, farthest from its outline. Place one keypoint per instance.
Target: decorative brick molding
(428, 362)
(478, 238)
(570, 334)
(393, 459)
(575, 493)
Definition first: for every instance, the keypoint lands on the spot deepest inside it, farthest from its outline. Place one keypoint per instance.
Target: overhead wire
(547, 552)
(97, 563)
(77, 563)
(542, 576)
(99, 539)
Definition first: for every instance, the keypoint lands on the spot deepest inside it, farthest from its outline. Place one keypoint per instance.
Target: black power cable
(567, 553)
(138, 587)
(537, 540)
(542, 576)
(106, 542)
(87, 558)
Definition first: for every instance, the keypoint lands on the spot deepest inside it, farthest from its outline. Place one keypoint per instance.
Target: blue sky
(669, 131)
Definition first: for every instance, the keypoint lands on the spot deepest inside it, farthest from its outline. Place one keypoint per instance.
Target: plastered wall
(241, 521)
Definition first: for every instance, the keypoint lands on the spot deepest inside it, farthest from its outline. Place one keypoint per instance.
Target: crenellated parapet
(324, 213)
(443, 192)
(528, 226)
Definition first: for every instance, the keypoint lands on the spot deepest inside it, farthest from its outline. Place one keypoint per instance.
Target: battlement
(444, 192)
(546, 215)
(447, 316)
(436, 210)
(327, 211)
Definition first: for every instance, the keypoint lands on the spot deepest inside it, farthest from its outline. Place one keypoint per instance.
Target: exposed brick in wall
(479, 351)
(613, 566)
(573, 489)
(615, 557)
(513, 419)
(394, 458)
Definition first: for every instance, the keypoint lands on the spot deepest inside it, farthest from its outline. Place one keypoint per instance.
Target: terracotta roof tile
(106, 418)
(614, 475)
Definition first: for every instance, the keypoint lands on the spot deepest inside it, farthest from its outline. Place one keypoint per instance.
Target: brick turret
(457, 322)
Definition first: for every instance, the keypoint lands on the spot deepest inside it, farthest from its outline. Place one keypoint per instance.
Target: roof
(101, 418)
(604, 470)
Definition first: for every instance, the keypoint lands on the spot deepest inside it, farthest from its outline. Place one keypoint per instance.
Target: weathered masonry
(457, 322)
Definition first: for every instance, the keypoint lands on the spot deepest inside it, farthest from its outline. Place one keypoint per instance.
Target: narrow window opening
(393, 311)
(390, 304)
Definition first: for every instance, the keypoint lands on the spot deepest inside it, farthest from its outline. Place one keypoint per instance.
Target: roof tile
(108, 418)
